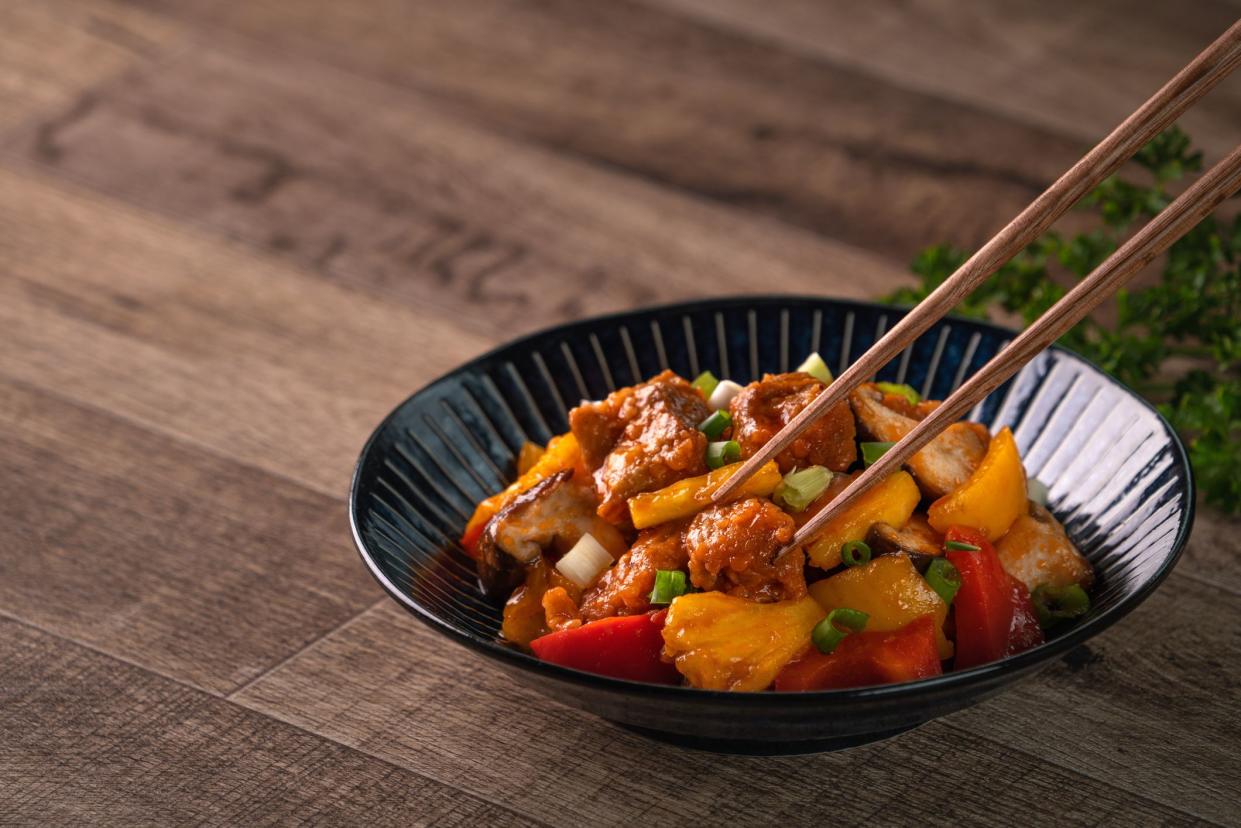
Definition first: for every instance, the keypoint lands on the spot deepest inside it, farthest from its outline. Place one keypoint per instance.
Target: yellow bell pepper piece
(693, 494)
(721, 642)
(890, 591)
(528, 456)
(890, 502)
(992, 498)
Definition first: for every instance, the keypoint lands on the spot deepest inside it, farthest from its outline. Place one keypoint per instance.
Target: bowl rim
(957, 679)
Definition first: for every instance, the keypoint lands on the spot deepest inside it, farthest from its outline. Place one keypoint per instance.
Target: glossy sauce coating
(761, 409)
(625, 589)
(641, 438)
(733, 548)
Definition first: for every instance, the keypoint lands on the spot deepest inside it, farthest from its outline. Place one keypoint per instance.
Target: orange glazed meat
(733, 548)
(762, 408)
(641, 438)
(625, 589)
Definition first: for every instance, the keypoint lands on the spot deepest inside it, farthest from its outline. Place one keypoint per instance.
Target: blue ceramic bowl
(1117, 473)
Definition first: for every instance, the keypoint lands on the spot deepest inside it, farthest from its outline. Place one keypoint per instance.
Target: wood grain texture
(381, 190)
(665, 98)
(192, 565)
(380, 685)
(1076, 68)
(201, 340)
(55, 50)
(234, 235)
(1150, 705)
(88, 740)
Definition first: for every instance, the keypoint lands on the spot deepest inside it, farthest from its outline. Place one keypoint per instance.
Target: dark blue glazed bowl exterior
(1118, 478)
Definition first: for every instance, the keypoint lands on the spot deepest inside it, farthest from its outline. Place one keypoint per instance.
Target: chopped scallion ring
(961, 546)
(828, 634)
(873, 451)
(817, 368)
(944, 579)
(900, 390)
(1037, 491)
(705, 383)
(722, 453)
(585, 562)
(1055, 604)
(715, 425)
(723, 395)
(799, 489)
(669, 584)
(855, 553)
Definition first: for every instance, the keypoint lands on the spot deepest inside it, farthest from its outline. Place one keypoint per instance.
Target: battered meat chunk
(732, 548)
(641, 438)
(944, 463)
(762, 408)
(625, 589)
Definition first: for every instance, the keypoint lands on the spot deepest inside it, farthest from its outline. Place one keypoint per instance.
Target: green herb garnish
(1191, 313)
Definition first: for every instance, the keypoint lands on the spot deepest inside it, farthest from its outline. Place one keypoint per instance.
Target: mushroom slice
(944, 463)
(551, 515)
(1037, 551)
(916, 539)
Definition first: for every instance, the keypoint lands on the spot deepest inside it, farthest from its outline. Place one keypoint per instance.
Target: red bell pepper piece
(993, 612)
(868, 658)
(625, 647)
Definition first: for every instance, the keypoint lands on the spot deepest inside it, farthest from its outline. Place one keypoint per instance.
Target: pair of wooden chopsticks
(1224, 179)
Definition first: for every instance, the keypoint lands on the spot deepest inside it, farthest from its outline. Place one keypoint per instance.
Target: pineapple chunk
(720, 642)
(686, 498)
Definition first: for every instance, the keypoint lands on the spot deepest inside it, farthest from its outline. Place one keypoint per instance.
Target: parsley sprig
(1177, 341)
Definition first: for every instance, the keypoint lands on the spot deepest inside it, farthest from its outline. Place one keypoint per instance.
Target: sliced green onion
(669, 584)
(1055, 604)
(715, 425)
(1037, 491)
(961, 546)
(828, 634)
(723, 395)
(901, 390)
(944, 579)
(705, 383)
(855, 553)
(799, 488)
(722, 453)
(873, 451)
(585, 562)
(817, 368)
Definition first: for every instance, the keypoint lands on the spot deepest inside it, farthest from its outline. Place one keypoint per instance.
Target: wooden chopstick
(1174, 221)
(1191, 83)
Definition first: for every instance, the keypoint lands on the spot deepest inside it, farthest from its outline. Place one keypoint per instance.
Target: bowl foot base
(762, 747)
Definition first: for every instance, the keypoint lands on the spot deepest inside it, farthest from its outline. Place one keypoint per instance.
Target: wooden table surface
(234, 235)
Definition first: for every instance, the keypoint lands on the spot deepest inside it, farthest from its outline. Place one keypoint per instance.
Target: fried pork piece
(944, 464)
(1036, 551)
(552, 515)
(641, 438)
(763, 408)
(733, 548)
(625, 589)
